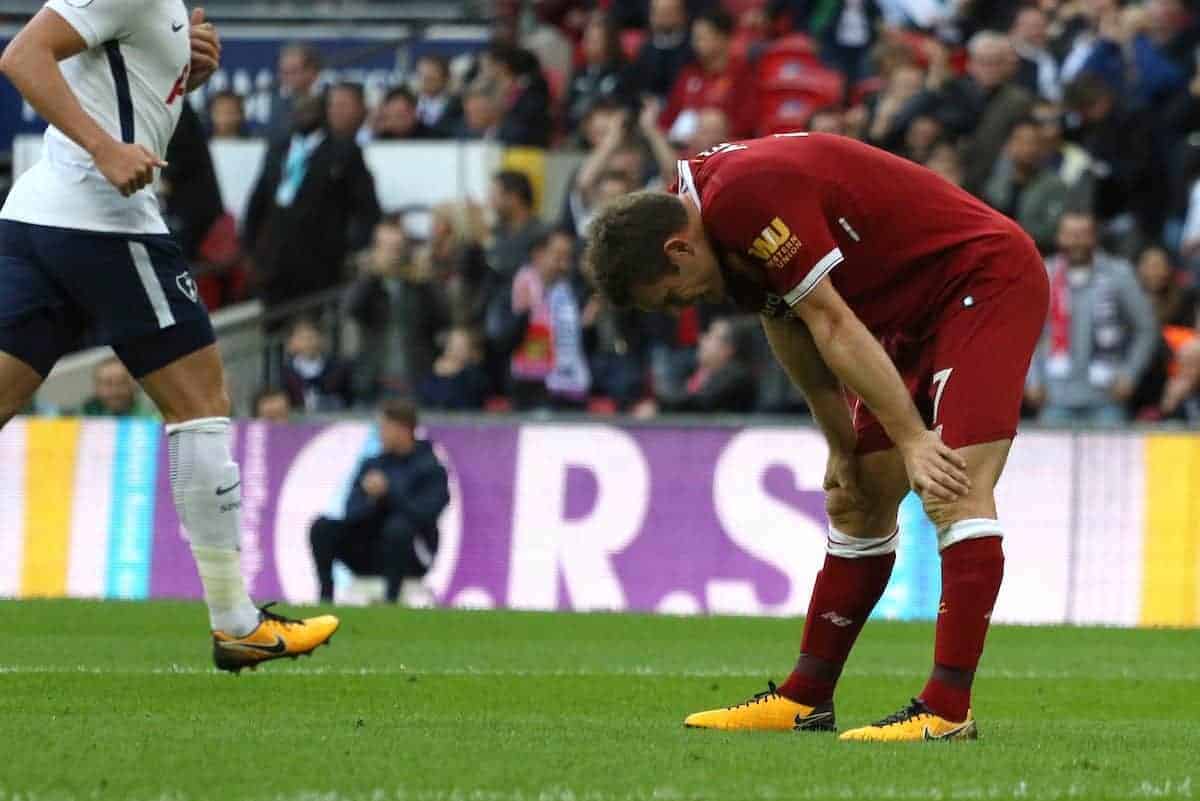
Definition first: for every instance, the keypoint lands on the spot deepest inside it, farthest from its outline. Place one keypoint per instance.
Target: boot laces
(915, 709)
(268, 615)
(766, 695)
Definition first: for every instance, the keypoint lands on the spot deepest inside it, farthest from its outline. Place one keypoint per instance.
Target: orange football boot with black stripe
(914, 723)
(766, 711)
(275, 637)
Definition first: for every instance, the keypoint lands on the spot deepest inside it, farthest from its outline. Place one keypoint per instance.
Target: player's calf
(970, 542)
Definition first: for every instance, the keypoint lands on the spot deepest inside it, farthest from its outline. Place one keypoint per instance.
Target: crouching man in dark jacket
(390, 527)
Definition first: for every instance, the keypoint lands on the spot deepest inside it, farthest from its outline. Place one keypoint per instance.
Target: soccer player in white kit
(84, 252)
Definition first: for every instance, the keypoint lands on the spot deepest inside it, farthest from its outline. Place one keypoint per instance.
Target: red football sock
(971, 574)
(845, 592)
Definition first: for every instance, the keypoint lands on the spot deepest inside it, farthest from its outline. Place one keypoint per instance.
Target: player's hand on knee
(934, 469)
(128, 167)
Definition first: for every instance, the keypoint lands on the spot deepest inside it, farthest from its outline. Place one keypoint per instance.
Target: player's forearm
(796, 352)
(35, 73)
(861, 363)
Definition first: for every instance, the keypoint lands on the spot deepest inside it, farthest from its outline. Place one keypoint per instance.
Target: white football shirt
(131, 80)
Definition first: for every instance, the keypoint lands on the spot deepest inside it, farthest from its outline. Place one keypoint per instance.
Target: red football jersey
(887, 231)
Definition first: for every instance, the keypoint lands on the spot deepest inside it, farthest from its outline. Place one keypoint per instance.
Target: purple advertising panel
(549, 516)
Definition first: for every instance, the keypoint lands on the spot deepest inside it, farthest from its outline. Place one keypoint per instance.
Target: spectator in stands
(114, 393)
(1037, 68)
(1100, 335)
(1175, 307)
(299, 68)
(552, 41)
(847, 32)
(712, 128)
(1181, 396)
(548, 368)
(722, 382)
(525, 117)
(481, 114)
(315, 379)
(886, 109)
(511, 199)
(923, 135)
(1069, 161)
(1080, 35)
(715, 79)
(390, 527)
(1173, 28)
(437, 107)
(828, 119)
(455, 260)
(516, 229)
(227, 116)
(617, 345)
(593, 184)
(313, 203)
(667, 48)
(458, 381)
(397, 313)
(1129, 199)
(1132, 63)
(346, 111)
(1174, 300)
(1025, 188)
(603, 74)
(945, 160)
(397, 119)
(981, 107)
(272, 405)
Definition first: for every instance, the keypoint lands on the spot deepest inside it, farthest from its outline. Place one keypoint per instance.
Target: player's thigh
(135, 289)
(978, 360)
(18, 383)
(190, 387)
(869, 509)
(985, 463)
(37, 324)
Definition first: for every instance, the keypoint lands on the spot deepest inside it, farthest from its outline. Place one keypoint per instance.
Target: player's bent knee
(857, 518)
(197, 403)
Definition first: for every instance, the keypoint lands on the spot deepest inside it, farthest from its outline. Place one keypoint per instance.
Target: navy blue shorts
(63, 289)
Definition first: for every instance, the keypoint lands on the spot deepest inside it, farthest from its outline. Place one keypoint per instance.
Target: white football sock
(208, 497)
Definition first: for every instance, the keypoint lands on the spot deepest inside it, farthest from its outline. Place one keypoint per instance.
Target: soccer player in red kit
(874, 278)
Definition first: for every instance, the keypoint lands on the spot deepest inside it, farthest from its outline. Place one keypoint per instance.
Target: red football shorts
(967, 376)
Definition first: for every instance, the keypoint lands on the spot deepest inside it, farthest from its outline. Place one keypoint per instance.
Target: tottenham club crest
(187, 285)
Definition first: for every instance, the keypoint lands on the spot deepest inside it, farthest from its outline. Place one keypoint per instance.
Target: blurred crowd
(1080, 120)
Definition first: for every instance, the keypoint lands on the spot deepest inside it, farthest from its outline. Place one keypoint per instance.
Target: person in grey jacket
(1100, 334)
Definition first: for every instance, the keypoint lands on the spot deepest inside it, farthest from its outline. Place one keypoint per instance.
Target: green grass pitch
(119, 701)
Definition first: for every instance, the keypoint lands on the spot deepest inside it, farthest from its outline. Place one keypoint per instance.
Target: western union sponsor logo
(775, 245)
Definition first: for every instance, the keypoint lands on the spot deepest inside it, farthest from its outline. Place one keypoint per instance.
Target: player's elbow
(10, 59)
(18, 61)
(824, 322)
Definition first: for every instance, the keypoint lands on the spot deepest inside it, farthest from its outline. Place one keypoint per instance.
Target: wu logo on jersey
(187, 285)
(776, 245)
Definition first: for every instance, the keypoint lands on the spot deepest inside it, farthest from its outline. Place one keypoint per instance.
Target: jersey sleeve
(98, 21)
(781, 227)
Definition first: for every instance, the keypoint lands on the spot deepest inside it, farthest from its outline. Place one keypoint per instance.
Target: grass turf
(119, 701)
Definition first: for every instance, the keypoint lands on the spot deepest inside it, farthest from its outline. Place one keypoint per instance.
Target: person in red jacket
(715, 79)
